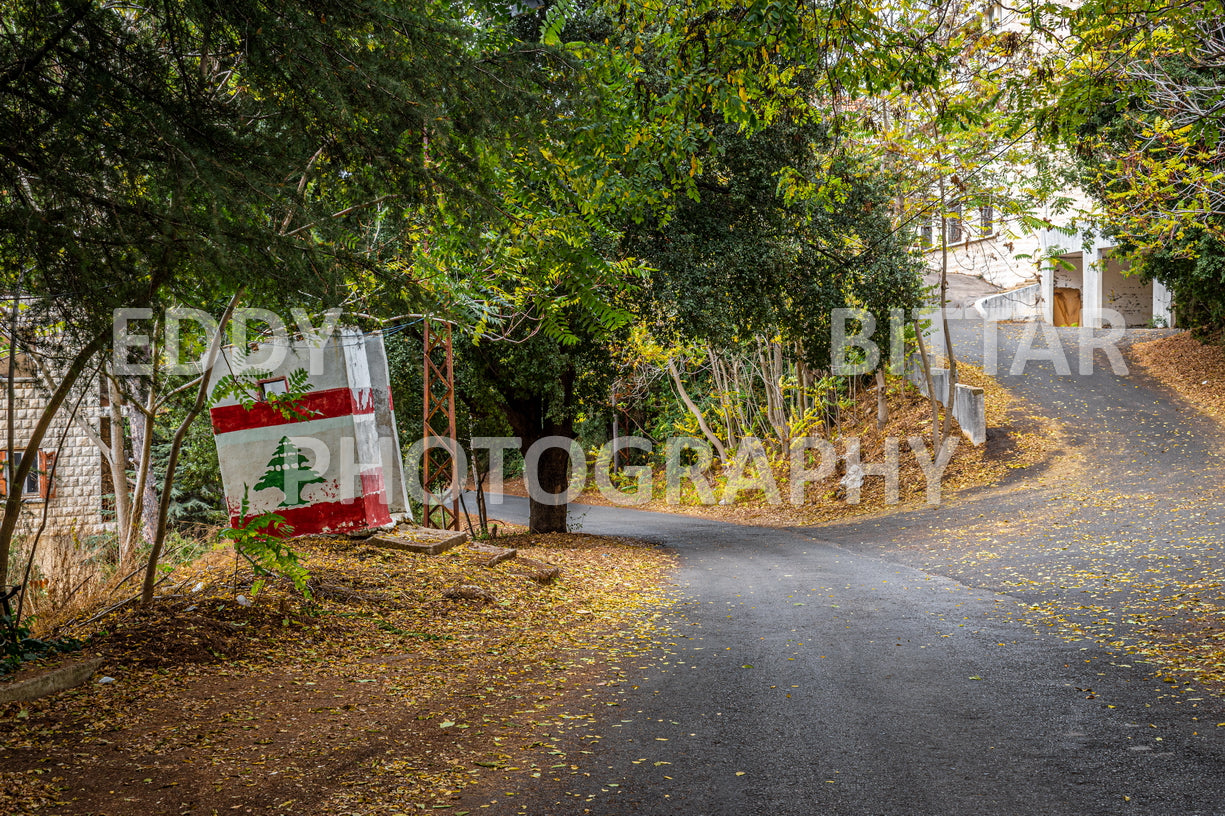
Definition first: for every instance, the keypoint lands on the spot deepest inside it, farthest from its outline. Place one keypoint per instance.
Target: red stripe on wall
(374, 496)
(333, 402)
(332, 517)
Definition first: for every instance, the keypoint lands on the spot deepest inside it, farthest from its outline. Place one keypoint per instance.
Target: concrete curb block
(51, 683)
(970, 409)
(427, 542)
(493, 555)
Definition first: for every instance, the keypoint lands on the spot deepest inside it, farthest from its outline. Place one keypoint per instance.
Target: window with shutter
(46, 474)
(35, 484)
(954, 224)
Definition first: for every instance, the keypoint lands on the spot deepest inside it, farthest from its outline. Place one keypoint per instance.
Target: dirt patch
(1193, 369)
(378, 696)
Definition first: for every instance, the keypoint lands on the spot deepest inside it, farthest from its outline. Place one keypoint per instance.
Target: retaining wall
(1017, 304)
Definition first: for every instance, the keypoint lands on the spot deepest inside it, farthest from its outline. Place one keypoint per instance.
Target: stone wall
(74, 488)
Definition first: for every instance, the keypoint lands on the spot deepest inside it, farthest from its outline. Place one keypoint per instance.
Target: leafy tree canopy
(1141, 102)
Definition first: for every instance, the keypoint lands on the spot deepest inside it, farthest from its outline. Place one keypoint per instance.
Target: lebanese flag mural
(318, 462)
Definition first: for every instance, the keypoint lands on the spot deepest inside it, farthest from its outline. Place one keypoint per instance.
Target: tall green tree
(662, 100)
(790, 225)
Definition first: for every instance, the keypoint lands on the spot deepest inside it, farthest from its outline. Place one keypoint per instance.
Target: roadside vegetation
(1019, 443)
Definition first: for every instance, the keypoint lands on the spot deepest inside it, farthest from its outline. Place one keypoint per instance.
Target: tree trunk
(615, 430)
(882, 404)
(777, 367)
(482, 512)
(176, 445)
(803, 379)
(743, 396)
(693, 409)
(944, 321)
(553, 476)
(931, 389)
(770, 361)
(143, 517)
(118, 463)
(11, 422)
(529, 418)
(723, 387)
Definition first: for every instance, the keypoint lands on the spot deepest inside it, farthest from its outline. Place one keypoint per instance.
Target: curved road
(893, 665)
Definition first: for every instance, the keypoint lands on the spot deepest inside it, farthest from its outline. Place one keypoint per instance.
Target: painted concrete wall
(970, 411)
(385, 423)
(1070, 273)
(994, 259)
(1163, 305)
(326, 467)
(1022, 303)
(1125, 294)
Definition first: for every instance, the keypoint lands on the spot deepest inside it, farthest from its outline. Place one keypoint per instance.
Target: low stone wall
(970, 407)
(1017, 304)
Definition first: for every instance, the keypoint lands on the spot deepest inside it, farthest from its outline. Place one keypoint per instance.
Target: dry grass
(66, 581)
(72, 579)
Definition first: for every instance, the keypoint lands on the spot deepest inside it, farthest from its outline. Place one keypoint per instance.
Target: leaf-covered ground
(382, 696)
(1193, 369)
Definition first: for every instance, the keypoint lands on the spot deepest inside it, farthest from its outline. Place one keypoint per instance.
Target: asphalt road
(861, 669)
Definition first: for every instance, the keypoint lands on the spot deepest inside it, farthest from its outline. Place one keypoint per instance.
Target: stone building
(65, 485)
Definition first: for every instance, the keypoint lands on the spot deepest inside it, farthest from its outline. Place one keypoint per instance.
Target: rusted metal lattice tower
(439, 469)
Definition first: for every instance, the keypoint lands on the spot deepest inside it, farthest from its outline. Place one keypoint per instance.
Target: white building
(1062, 276)
(1066, 274)
(1084, 278)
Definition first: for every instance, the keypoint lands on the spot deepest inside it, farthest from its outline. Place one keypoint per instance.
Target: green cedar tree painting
(288, 471)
